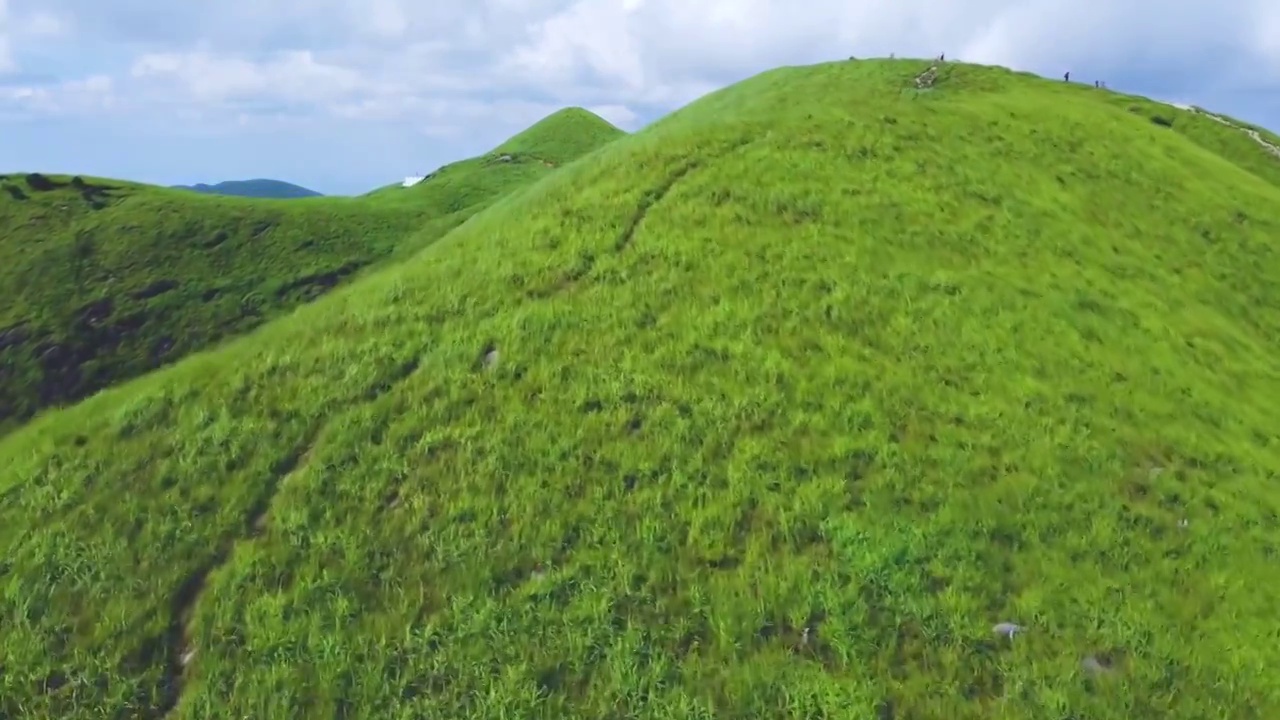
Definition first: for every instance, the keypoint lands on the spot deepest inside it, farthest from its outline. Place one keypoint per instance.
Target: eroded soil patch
(180, 652)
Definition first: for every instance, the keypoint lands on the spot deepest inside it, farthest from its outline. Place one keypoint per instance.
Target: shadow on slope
(780, 403)
(105, 280)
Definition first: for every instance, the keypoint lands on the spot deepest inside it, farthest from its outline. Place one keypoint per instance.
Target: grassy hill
(104, 280)
(773, 409)
(555, 140)
(257, 188)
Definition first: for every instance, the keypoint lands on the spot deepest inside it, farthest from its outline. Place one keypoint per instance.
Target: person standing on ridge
(1066, 77)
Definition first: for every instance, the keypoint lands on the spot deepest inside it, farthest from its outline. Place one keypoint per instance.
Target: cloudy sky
(346, 95)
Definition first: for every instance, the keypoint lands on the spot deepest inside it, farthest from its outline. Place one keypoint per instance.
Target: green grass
(102, 286)
(557, 138)
(560, 138)
(1209, 134)
(816, 351)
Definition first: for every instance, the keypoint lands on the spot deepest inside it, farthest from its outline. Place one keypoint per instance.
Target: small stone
(490, 358)
(1006, 629)
(1092, 665)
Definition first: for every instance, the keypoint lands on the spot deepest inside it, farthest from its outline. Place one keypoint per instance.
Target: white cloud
(589, 36)
(638, 47)
(385, 19)
(293, 76)
(40, 25)
(7, 63)
(467, 69)
(620, 115)
(29, 26)
(88, 95)
(381, 59)
(1266, 36)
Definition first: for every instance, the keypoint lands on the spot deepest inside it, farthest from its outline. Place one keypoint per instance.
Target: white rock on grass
(1094, 666)
(1006, 629)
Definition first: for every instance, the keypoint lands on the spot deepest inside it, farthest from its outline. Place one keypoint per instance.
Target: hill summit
(556, 138)
(828, 395)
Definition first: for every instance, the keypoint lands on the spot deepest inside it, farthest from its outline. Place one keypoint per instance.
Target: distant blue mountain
(258, 188)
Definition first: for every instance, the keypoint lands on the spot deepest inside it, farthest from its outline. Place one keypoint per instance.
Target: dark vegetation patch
(155, 274)
(42, 183)
(155, 288)
(312, 286)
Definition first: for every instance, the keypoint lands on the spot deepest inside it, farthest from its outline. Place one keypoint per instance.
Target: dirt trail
(181, 648)
(1257, 137)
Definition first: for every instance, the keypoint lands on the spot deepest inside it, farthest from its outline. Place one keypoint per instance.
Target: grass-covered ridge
(256, 188)
(773, 409)
(103, 280)
(558, 139)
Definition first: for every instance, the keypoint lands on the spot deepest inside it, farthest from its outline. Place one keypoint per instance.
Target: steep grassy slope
(106, 281)
(771, 410)
(257, 188)
(1234, 145)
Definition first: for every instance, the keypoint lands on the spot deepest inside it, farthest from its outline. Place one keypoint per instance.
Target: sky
(343, 96)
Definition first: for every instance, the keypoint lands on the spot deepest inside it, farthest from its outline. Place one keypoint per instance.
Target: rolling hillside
(257, 188)
(781, 407)
(556, 140)
(104, 280)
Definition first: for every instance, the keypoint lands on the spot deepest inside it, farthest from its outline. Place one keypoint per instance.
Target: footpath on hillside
(1257, 137)
(926, 79)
